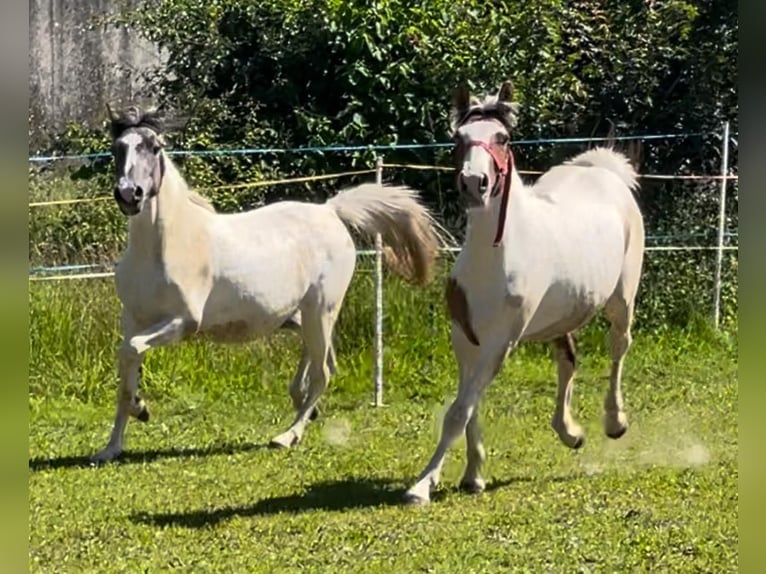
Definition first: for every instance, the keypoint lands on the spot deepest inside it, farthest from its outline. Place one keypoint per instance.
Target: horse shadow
(138, 457)
(333, 496)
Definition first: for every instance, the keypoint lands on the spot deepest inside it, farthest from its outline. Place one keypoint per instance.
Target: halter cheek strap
(504, 170)
(504, 200)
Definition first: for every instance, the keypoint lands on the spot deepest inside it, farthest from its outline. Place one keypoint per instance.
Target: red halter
(504, 170)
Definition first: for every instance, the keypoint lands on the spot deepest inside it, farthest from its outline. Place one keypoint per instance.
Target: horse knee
(127, 355)
(457, 416)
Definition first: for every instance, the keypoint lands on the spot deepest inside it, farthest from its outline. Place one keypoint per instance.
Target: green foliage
(284, 73)
(322, 72)
(88, 232)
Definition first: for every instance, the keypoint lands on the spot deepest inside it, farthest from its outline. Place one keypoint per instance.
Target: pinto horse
(538, 262)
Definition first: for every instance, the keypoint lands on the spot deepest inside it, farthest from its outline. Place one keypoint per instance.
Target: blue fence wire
(55, 270)
(338, 149)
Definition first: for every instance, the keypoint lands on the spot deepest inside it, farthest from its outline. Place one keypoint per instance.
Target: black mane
(490, 108)
(500, 112)
(135, 117)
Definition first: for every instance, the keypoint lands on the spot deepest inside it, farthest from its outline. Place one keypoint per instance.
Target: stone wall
(76, 65)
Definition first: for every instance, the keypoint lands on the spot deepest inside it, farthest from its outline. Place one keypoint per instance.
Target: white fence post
(378, 300)
(721, 227)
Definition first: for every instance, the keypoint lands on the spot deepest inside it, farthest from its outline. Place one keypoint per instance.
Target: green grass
(197, 491)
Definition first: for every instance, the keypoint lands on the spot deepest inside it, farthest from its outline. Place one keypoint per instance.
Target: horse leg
(297, 385)
(130, 357)
(127, 402)
(620, 315)
(467, 355)
(294, 323)
(332, 363)
(470, 388)
(570, 433)
(472, 482)
(317, 332)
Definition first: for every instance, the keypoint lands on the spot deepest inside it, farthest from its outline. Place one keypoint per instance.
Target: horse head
(137, 145)
(482, 134)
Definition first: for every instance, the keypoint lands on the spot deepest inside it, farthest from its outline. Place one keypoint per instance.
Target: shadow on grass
(332, 495)
(134, 457)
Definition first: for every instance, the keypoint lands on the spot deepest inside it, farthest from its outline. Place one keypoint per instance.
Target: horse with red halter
(538, 262)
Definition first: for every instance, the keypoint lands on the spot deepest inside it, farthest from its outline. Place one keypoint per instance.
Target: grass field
(197, 491)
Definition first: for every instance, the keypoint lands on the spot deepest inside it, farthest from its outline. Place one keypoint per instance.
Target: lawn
(198, 490)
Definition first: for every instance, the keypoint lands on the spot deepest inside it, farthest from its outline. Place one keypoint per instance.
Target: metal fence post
(721, 227)
(378, 300)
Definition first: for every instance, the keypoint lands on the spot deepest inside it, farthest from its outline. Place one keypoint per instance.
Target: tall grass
(74, 335)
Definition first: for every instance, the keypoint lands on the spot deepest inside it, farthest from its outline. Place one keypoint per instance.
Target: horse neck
(161, 218)
(482, 223)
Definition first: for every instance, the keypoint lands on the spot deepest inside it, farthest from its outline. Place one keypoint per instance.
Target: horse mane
(488, 108)
(134, 117)
(203, 202)
(178, 180)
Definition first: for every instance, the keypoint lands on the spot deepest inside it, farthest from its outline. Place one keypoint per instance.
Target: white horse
(538, 262)
(189, 271)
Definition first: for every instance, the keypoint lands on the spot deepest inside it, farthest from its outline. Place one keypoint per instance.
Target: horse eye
(502, 139)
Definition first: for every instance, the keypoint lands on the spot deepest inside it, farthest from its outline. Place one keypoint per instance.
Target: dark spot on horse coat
(459, 310)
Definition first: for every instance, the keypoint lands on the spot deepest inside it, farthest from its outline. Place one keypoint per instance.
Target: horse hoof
(285, 440)
(412, 499)
(573, 441)
(615, 434)
(615, 424)
(475, 486)
(104, 456)
(143, 416)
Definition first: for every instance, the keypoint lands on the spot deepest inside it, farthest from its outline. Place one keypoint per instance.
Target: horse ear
(505, 94)
(113, 116)
(461, 99)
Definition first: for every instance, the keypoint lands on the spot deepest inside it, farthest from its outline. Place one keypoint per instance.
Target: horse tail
(411, 237)
(609, 159)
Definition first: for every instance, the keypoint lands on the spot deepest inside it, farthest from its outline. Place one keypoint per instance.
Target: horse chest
(146, 294)
(473, 304)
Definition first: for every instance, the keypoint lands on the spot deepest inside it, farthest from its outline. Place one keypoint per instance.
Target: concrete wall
(75, 67)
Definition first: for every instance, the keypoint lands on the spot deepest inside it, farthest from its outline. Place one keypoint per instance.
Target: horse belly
(233, 314)
(566, 307)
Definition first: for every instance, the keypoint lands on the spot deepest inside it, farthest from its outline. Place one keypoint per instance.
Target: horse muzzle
(129, 197)
(474, 189)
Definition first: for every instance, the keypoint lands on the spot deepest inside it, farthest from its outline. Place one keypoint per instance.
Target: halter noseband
(504, 170)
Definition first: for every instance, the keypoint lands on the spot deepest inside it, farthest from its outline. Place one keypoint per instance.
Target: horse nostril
(138, 193)
(484, 181)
